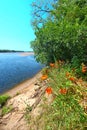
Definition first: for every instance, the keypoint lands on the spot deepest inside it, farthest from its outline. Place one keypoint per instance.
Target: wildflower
(84, 68)
(52, 64)
(44, 77)
(72, 78)
(85, 108)
(48, 90)
(67, 74)
(63, 91)
(80, 80)
(47, 71)
(61, 62)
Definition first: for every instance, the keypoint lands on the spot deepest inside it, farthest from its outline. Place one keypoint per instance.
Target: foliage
(66, 111)
(79, 68)
(27, 113)
(62, 32)
(6, 110)
(3, 99)
(17, 93)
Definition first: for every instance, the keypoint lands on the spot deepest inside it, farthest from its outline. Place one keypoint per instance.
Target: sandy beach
(26, 95)
(23, 86)
(26, 53)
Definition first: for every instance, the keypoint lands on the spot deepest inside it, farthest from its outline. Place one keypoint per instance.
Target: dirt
(15, 119)
(28, 98)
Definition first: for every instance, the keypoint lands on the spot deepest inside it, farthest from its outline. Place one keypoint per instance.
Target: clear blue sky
(15, 25)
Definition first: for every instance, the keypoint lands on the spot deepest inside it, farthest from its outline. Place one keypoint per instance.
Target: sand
(24, 86)
(29, 96)
(26, 53)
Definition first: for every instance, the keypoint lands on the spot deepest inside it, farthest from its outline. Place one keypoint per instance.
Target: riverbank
(26, 53)
(15, 68)
(27, 102)
(23, 86)
(36, 106)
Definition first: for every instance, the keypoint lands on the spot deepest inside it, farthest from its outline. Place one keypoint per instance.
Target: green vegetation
(3, 99)
(66, 112)
(17, 93)
(61, 43)
(9, 51)
(61, 30)
(68, 109)
(6, 110)
(27, 113)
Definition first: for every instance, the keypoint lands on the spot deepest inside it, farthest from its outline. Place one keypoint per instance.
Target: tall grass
(65, 112)
(3, 99)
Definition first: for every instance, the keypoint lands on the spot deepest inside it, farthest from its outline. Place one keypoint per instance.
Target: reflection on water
(15, 68)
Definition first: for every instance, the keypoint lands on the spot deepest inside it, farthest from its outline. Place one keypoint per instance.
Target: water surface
(15, 68)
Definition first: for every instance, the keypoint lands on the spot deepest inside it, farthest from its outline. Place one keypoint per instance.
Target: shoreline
(26, 53)
(23, 86)
(19, 53)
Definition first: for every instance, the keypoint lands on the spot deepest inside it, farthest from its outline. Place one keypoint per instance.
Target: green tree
(61, 30)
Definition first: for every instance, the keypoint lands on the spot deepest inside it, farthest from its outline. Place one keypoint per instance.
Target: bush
(65, 112)
(3, 99)
(6, 110)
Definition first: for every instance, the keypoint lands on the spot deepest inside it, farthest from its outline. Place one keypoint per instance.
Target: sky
(15, 25)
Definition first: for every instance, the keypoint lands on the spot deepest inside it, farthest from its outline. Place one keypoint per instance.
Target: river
(16, 68)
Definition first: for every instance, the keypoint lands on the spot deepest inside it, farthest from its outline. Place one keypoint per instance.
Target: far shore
(23, 86)
(26, 53)
(20, 53)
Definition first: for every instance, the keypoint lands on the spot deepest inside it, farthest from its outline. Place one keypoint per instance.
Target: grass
(3, 99)
(65, 112)
(6, 110)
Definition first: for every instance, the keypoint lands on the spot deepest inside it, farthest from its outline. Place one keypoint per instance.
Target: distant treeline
(10, 51)
(13, 51)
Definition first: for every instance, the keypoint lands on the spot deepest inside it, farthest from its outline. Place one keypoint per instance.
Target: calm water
(15, 68)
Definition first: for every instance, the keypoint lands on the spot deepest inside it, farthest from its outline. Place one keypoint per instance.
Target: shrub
(65, 112)
(3, 99)
(6, 110)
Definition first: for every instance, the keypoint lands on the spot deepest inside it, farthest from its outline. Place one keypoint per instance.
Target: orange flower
(67, 74)
(84, 68)
(80, 80)
(48, 90)
(72, 78)
(63, 91)
(44, 77)
(61, 62)
(52, 64)
(46, 71)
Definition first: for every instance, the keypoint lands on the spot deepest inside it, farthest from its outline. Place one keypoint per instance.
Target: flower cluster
(52, 64)
(48, 90)
(84, 68)
(63, 91)
(44, 77)
(72, 78)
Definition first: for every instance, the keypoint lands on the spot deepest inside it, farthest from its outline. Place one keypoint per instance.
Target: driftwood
(39, 94)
